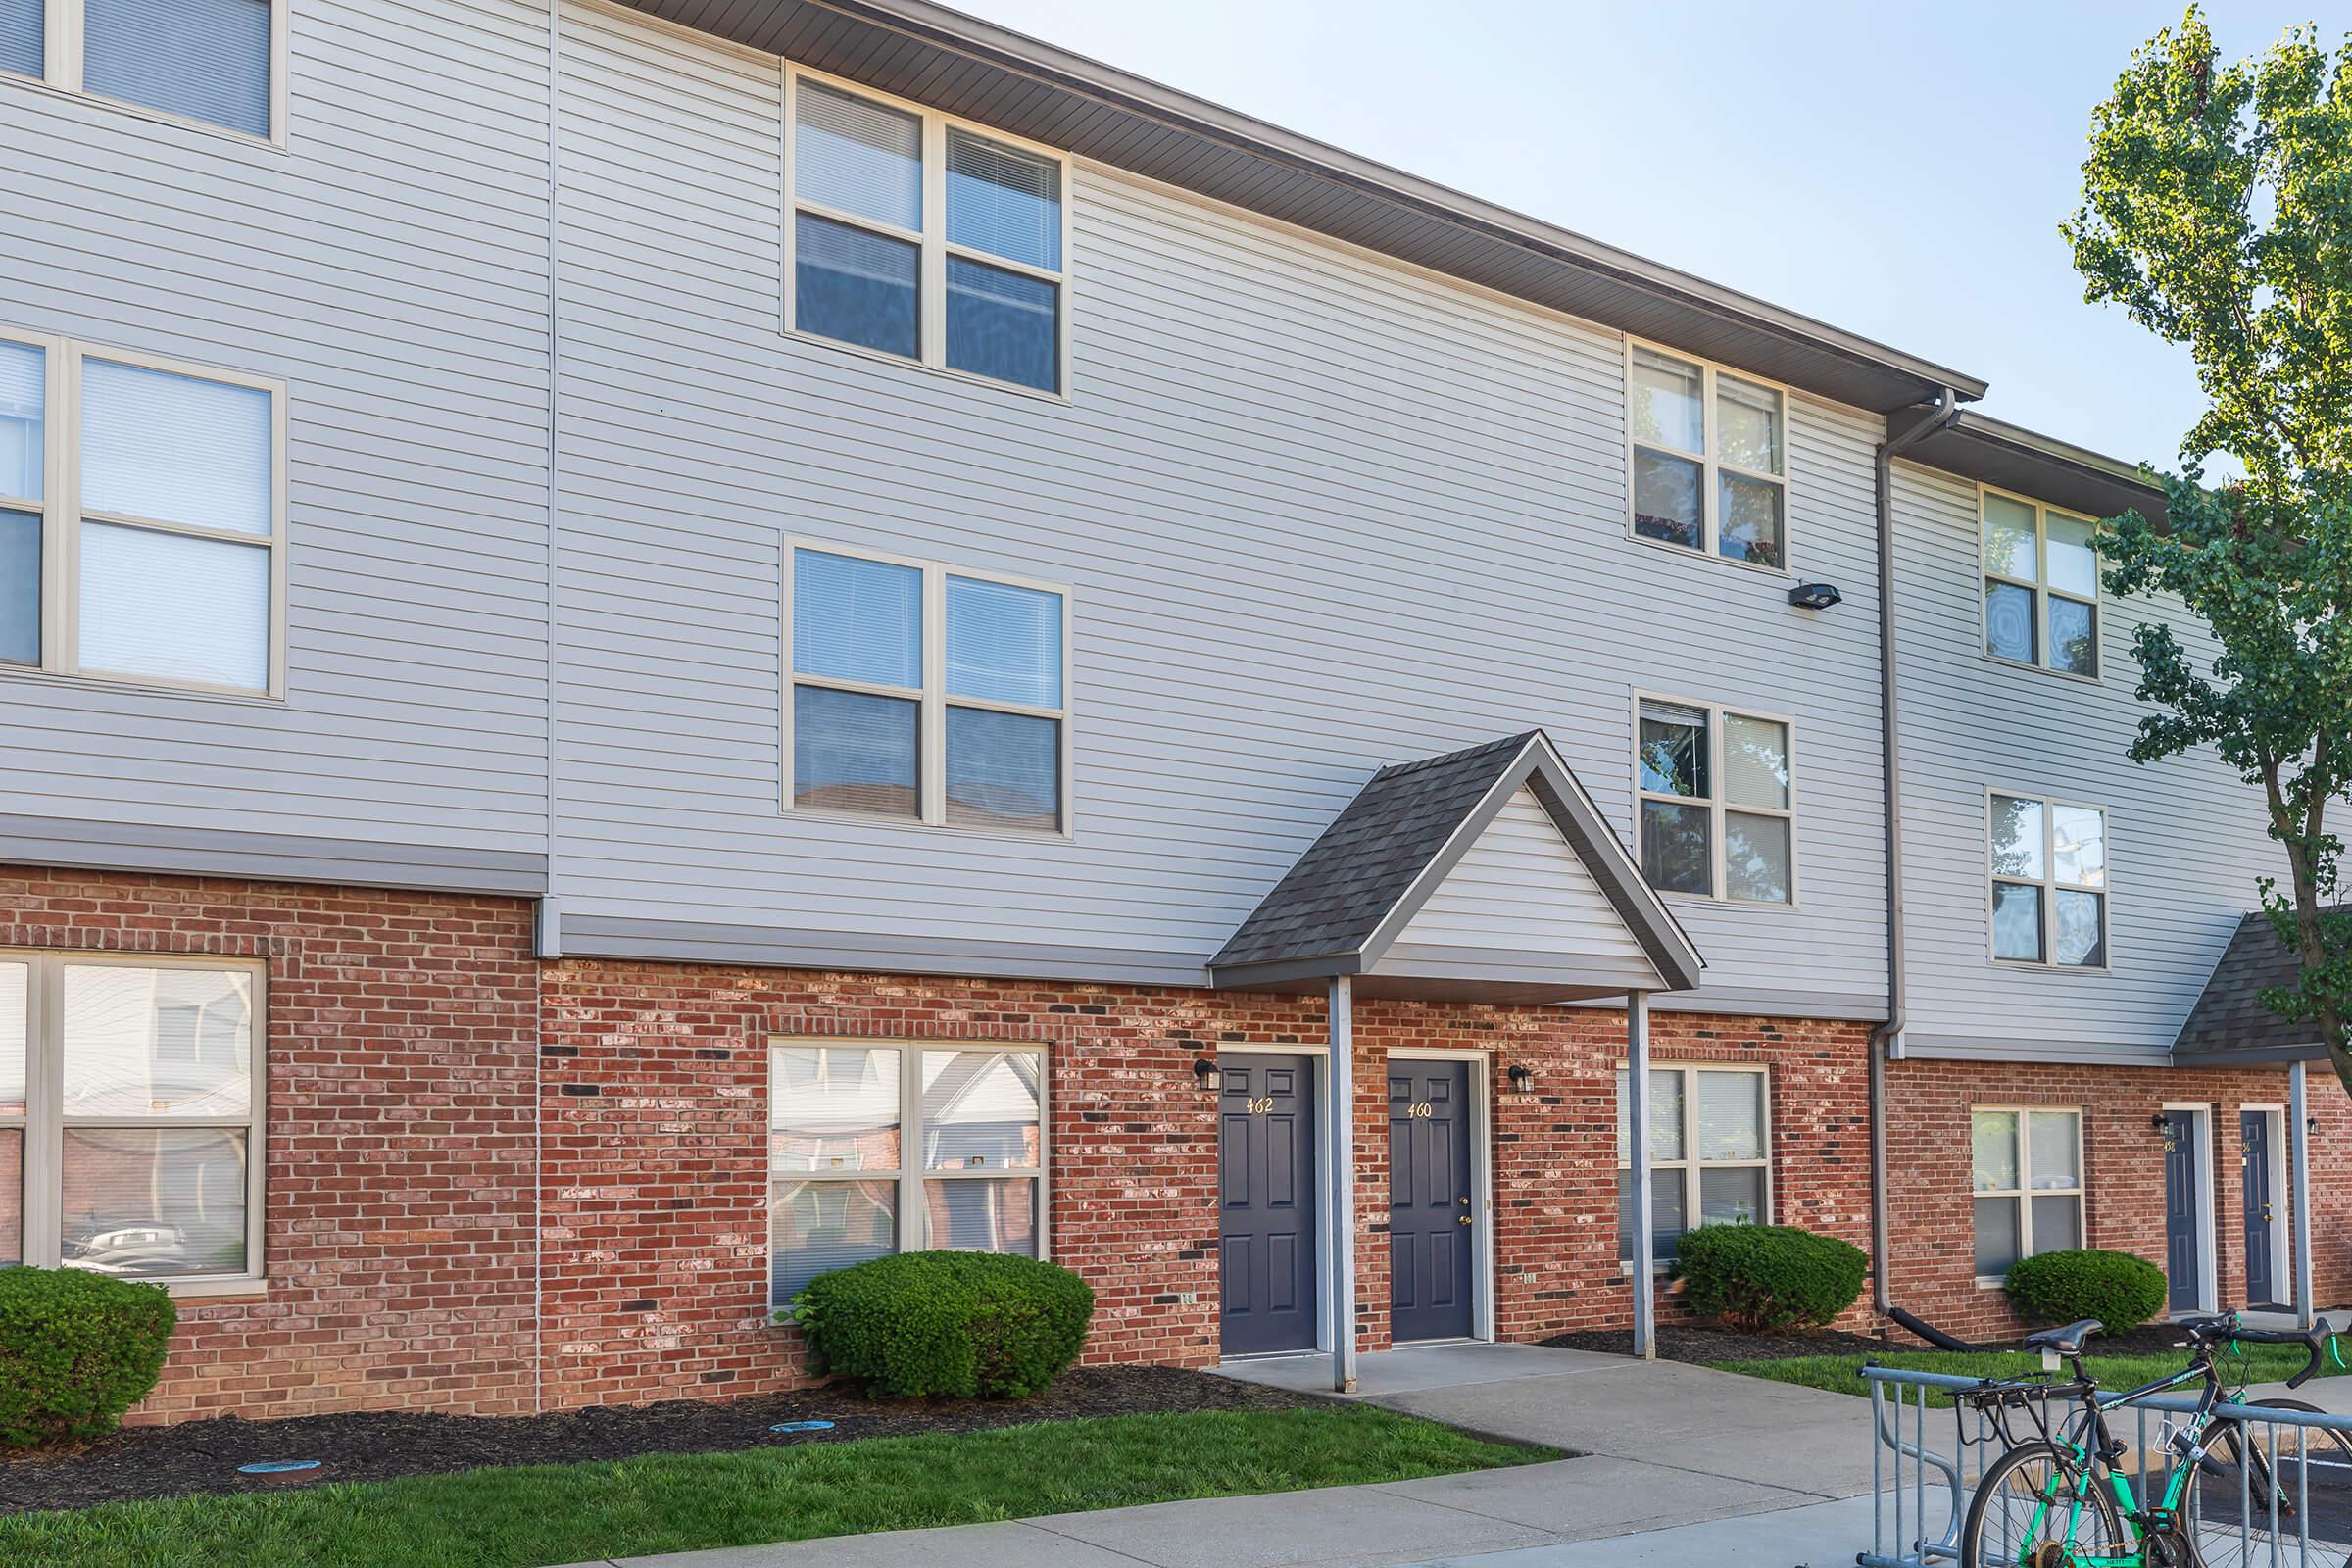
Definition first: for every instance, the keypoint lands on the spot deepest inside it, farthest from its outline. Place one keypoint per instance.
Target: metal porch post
(2299, 1140)
(1637, 1121)
(1342, 1143)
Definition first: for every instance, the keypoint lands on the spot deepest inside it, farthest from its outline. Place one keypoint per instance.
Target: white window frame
(2050, 884)
(910, 1178)
(2041, 592)
(931, 275)
(1710, 500)
(1718, 804)
(62, 30)
(2025, 1192)
(932, 698)
(1692, 1167)
(61, 514)
(45, 1122)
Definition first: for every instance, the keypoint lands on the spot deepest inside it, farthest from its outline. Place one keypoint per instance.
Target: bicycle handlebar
(2314, 1340)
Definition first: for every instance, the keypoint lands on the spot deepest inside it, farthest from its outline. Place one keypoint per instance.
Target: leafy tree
(2217, 210)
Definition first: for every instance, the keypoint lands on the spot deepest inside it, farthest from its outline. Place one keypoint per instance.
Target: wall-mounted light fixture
(1522, 1077)
(1815, 595)
(1204, 1073)
(2157, 1121)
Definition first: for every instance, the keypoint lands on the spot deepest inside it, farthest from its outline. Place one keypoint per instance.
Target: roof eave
(2010, 457)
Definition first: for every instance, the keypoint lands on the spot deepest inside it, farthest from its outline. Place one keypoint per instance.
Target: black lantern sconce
(1522, 1077)
(1204, 1073)
(2158, 1122)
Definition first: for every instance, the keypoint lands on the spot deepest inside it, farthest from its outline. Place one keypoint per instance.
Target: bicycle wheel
(2227, 1508)
(2035, 1508)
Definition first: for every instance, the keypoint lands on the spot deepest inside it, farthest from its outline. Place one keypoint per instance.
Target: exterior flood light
(1204, 1073)
(1815, 595)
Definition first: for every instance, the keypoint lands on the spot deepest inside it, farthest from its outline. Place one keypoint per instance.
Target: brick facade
(436, 1093)
(1932, 1217)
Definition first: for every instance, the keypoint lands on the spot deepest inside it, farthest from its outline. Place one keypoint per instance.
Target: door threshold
(1267, 1356)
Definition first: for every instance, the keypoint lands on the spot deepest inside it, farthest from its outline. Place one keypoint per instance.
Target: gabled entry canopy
(1484, 875)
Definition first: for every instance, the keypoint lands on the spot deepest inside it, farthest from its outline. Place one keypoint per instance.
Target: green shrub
(2120, 1291)
(975, 1323)
(76, 1350)
(1762, 1277)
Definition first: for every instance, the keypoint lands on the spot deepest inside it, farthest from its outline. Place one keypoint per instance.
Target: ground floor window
(2027, 1177)
(1709, 1152)
(884, 1148)
(129, 1108)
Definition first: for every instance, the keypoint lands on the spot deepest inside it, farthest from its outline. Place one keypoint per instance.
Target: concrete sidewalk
(1680, 1465)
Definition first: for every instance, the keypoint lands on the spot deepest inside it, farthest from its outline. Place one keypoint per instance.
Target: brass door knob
(1462, 1221)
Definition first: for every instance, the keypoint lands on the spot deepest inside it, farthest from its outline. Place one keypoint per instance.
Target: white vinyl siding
(130, 1116)
(919, 237)
(1710, 1154)
(2026, 1175)
(878, 1146)
(1246, 518)
(217, 64)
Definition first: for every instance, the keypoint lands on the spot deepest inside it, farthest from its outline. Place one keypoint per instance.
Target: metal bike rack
(1957, 1444)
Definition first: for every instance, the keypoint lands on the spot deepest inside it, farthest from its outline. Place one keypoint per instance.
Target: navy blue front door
(1266, 1228)
(1433, 1218)
(2182, 1257)
(2261, 1204)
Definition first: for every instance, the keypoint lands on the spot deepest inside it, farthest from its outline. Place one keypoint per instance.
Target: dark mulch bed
(1695, 1342)
(202, 1456)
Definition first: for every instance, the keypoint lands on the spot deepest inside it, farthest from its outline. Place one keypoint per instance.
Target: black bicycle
(2061, 1498)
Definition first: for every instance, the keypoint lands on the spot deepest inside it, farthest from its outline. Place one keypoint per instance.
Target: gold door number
(1418, 1110)
(1259, 1108)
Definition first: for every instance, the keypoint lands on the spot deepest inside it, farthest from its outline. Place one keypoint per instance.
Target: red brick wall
(1933, 1218)
(399, 1146)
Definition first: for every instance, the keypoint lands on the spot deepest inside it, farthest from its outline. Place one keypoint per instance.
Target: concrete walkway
(1680, 1465)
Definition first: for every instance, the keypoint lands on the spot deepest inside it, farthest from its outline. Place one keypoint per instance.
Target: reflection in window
(2049, 879)
(1723, 831)
(1710, 1156)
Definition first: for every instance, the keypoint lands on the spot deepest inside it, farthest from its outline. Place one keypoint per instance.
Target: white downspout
(1637, 1132)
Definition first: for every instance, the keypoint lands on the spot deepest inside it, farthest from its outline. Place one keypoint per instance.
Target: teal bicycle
(2061, 1498)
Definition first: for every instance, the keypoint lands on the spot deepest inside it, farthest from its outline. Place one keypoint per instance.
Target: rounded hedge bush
(2120, 1289)
(980, 1325)
(1759, 1278)
(76, 1350)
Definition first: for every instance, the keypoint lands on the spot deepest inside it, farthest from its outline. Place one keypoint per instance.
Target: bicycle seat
(2067, 1340)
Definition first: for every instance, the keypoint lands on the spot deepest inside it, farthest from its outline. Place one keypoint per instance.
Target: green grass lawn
(1843, 1374)
(519, 1518)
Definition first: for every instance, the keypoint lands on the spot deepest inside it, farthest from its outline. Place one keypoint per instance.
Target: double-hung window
(927, 695)
(877, 1148)
(220, 62)
(1709, 1154)
(142, 517)
(2041, 586)
(2049, 882)
(919, 237)
(1718, 818)
(130, 1114)
(2025, 1170)
(1708, 460)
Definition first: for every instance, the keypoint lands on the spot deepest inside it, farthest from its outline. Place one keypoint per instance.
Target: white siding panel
(1318, 512)
(2184, 837)
(390, 266)
(1522, 887)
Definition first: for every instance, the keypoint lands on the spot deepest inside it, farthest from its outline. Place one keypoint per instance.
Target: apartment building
(650, 649)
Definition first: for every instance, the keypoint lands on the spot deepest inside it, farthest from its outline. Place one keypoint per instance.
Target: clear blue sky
(1899, 171)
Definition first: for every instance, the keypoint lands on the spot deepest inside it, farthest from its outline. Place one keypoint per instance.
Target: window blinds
(857, 156)
(1004, 201)
(206, 59)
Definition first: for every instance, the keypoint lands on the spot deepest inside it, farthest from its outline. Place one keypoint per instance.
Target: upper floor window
(130, 1109)
(927, 695)
(916, 236)
(2050, 883)
(1718, 819)
(1709, 459)
(2041, 586)
(215, 62)
(142, 517)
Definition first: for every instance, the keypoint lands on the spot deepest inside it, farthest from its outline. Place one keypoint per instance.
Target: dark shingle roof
(1336, 895)
(2230, 1017)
